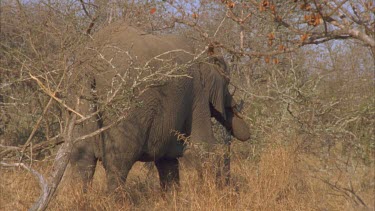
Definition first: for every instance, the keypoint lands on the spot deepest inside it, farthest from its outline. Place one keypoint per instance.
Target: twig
(36, 126)
(52, 95)
(93, 19)
(157, 57)
(97, 132)
(54, 141)
(84, 9)
(221, 23)
(346, 191)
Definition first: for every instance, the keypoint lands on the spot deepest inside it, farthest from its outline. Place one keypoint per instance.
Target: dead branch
(52, 142)
(60, 164)
(348, 192)
(93, 19)
(36, 126)
(42, 182)
(52, 95)
(99, 131)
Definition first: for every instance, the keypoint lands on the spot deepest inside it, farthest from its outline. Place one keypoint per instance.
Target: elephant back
(123, 55)
(119, 38)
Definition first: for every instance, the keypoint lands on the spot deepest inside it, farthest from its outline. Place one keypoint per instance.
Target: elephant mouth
(233, 122)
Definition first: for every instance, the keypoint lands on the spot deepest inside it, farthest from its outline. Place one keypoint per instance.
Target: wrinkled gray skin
(184, 105)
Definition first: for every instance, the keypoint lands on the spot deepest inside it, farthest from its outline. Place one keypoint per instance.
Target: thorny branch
(43, 113)
(345, 29)
(349, 192)
(53, 95)
(93, 19)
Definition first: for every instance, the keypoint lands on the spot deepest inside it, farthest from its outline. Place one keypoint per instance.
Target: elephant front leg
(169, 175)
(83, 161)
(117, 173)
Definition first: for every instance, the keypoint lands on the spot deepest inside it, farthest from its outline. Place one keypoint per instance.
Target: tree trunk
(59, 166)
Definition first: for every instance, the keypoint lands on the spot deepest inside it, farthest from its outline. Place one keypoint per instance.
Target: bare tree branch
(59, 166)
(43, 184)
(52, 95)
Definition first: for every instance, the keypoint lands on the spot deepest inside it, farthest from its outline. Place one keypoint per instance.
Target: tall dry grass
(283, 178)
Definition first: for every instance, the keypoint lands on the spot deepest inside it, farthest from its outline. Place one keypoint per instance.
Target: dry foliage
(282, 179)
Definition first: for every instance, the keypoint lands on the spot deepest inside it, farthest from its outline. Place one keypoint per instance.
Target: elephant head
(221, 103)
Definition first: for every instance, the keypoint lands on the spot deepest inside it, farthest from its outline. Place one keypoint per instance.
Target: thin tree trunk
(59, 166)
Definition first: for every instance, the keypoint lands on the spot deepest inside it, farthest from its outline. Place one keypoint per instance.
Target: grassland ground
(281, 178)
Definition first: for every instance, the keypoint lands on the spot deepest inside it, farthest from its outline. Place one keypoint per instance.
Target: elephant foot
(169, 176)
(83, 173)
(115, 183)
(117, 169)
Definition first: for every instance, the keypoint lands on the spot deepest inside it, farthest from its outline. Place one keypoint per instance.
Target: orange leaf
(313, 19)
(152, 10)
(310, 19)
(261, 8)
(281, 47)
(275, 60)
(318, 20)
(263, 5)
(230, 4)
(305, 6)
(307, 18)
(304, 37)
(267, 59)
(271, 36)
(266, 3)
(194, 15)
(273, 8)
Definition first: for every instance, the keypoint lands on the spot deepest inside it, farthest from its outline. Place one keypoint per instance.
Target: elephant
(152, 129)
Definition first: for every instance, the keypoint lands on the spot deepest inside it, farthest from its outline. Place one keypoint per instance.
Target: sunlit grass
(282, 179)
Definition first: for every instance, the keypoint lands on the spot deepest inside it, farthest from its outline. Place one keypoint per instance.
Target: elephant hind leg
(168, 169)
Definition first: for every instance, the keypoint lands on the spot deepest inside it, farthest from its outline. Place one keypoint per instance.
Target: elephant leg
(83, 162)
(168, 169)
(122, 148)
(116, 177)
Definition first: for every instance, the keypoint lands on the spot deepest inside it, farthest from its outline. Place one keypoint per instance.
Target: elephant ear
(216, 76)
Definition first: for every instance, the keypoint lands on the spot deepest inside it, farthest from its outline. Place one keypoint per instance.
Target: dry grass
(283, 179)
